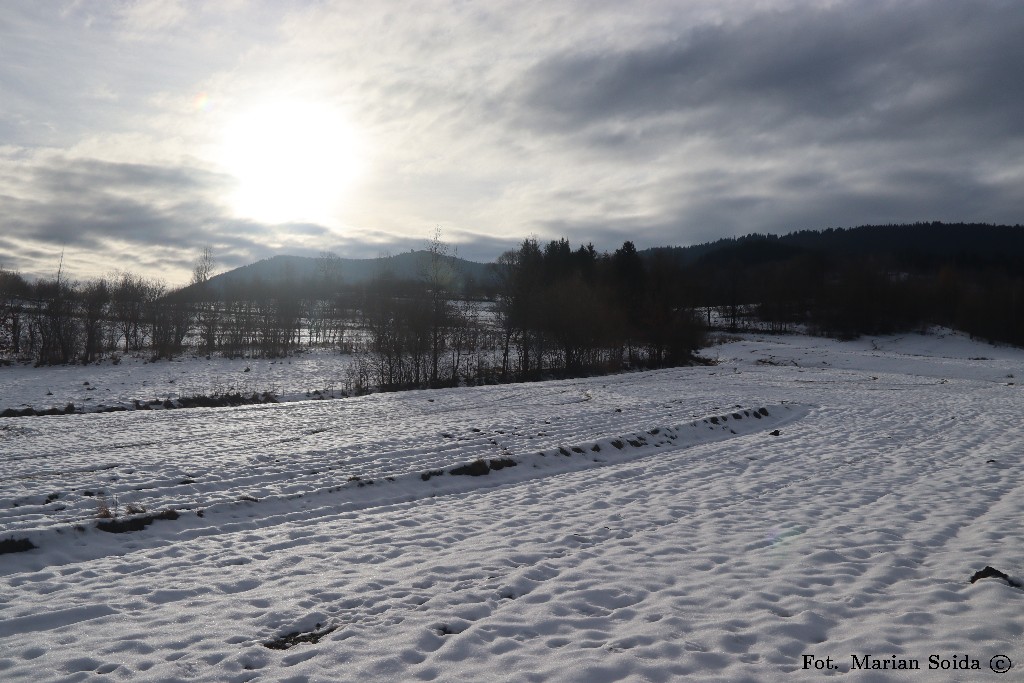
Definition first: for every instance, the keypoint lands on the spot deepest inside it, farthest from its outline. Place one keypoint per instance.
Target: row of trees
(577, 310)
(553, 311)
(852, 294)
(556, 311)
(550, 309)
(59, 321)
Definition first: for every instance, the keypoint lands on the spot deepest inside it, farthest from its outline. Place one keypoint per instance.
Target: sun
(293, 162)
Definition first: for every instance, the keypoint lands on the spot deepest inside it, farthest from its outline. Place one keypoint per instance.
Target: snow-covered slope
(619, 533)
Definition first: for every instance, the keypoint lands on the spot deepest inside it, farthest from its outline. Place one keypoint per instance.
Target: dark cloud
(860, 112)
(856, 69)
(83, 202)
(807, 201)
(92, 175)
(796, 201)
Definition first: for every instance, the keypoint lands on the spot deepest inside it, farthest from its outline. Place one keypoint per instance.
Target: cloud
(852, 70)
(661, 122)
(795, 118)
(130, 215)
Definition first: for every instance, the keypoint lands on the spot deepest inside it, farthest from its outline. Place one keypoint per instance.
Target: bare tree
(438, 279)
(95, 296)
(128, 301)
(14, 294)
(202, 270)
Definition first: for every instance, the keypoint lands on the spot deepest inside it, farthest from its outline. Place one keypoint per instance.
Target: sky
(135, 134)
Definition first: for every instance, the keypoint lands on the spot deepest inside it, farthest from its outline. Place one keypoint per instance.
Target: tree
(582, 320)
(630, 275)
(128, 304)
(14, 293)
(55, 321)
(202, 270)
(505, 274)
(438, 280)
(95, 296)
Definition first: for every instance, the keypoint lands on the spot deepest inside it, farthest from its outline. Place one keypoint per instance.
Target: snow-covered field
(837, 504)
(316, 373)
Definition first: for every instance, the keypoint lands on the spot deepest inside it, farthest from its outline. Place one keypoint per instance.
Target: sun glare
(292, 161)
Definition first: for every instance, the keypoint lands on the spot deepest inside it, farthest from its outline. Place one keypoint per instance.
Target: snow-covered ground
(801, 502)
(318, 372)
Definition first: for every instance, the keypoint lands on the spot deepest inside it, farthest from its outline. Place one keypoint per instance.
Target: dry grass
(103, 510)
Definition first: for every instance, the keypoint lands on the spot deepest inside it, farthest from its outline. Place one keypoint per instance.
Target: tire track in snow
(324, 499)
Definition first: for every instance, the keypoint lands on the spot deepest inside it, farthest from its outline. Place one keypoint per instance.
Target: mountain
(916, 246)
(304, 269)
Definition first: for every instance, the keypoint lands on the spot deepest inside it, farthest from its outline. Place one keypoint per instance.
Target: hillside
(916, 245)
(301, 269)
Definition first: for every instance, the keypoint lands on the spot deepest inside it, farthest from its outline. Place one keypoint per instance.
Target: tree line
(549, 310)
(847, 283)
(57, 321)
(553, 311)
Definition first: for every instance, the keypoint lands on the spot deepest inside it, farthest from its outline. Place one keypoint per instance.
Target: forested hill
(874, 279)
(908, 246)
(298, 270)
(913, 247)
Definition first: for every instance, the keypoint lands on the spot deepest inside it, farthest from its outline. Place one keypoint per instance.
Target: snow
(136, 378)
(682, 548)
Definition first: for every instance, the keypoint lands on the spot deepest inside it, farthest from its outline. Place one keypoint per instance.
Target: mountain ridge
(923, 244)
(282, 268)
